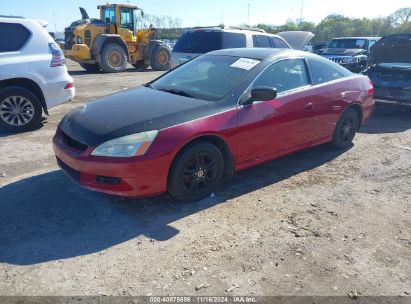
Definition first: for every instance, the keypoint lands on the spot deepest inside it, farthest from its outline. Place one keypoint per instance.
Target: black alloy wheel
(346, 129)
(196, 172)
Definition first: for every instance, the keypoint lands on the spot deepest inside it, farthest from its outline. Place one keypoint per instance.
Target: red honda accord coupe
(219, 113)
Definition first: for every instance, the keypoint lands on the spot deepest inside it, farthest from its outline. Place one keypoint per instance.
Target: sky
(206, 13)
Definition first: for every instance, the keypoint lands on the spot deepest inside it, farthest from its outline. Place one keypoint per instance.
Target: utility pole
(248, 14)
(55, 25)
(301, 11)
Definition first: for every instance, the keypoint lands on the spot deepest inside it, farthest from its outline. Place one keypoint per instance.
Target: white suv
(33, 74)
(200, 40)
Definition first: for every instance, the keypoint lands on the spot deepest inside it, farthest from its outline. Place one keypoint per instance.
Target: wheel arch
(216, 140)
(101, 40)
(27, 84)
(357, 107)
(149, 48)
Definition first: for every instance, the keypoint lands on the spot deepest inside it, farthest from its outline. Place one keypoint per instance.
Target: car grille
(68, 38)
(339, 59)
(74, 174)
(71, 142)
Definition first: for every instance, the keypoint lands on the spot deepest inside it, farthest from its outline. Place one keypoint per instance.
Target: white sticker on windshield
(245, 63)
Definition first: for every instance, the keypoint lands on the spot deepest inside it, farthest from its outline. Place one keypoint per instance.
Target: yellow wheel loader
(110, 42)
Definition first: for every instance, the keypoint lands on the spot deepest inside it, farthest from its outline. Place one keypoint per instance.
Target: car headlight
(79, 40)
(126, 146)
(355, 59)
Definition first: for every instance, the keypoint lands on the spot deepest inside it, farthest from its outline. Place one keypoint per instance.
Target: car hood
(395, 48)
(341, 51)
(129, 112)
(296, 39)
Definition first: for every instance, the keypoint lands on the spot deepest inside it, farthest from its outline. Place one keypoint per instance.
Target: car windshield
(348, 44)
(208, 77)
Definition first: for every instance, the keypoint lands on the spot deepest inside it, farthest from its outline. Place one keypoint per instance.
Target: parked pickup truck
(350, 52)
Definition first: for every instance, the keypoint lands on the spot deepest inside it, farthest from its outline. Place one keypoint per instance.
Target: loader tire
(160, 59)
(113, 58)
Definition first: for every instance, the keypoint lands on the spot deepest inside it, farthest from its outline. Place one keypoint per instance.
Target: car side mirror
(261, 94)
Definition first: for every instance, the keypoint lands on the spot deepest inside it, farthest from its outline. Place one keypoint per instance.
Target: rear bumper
(398, 96)
(131, 177)
(406, 103)
(54, 89)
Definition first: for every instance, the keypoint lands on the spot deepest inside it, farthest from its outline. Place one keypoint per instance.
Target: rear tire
(160, 58)
(196, 172)
(20, 109)
(346, 129)
(89, 67)
(113, 58)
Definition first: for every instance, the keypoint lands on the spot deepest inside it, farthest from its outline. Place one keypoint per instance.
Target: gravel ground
(319, 222)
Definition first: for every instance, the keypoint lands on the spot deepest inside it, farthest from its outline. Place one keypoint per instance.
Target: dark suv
(350, 52)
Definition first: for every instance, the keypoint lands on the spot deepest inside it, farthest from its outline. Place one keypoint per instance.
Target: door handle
(308, 106)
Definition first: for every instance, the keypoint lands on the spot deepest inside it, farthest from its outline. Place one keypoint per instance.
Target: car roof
(231, 29)
(356, 38)
(258, 53)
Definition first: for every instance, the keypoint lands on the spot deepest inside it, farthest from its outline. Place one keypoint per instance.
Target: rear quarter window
(278, 43)
(233, 40)
(324, 70)
(261, 41)
(13, 37)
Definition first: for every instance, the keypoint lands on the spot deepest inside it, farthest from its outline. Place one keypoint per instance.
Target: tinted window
(324, 70)
(198, 42)
(127, 18)
(371, 43)
(262, 41)
(255, 42)
(233, 40)
(284, 75)
(278, 43)
(109, 15)
(12, 37)
(207, 77)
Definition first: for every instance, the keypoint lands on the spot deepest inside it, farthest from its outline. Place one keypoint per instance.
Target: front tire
(160, 59)
(20, 109)
(113, 58)
(346, 129)
(196, 172)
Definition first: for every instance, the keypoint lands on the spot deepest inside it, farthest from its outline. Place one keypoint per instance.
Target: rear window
(201, 41)
(13, 37)
(278, 43)
(324, 70)
(233, 40)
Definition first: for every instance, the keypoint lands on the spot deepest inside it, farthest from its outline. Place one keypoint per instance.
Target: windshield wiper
(177, 92)
(148, 85)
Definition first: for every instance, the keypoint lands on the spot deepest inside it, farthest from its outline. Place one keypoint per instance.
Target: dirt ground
(319, 222)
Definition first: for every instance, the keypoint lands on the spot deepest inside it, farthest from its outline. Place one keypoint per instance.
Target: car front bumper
(130, 177)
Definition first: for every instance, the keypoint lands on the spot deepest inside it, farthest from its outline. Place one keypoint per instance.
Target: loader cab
(122, 16)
